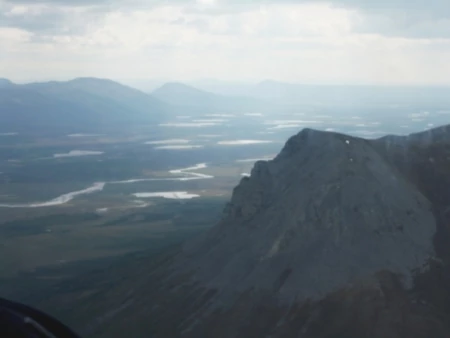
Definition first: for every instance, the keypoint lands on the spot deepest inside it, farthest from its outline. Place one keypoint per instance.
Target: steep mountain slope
(24, 110)
(5, 83)
(125, 97)
(183, 95)
(80, 104)
(336, 237)
(222, 87)
(325, 211)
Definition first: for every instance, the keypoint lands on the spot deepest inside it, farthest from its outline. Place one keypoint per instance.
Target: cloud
(67, 3)
(436, 7)
(413, 19)
(42, 19)
(391, 18)
(342, 41)
(411, 25)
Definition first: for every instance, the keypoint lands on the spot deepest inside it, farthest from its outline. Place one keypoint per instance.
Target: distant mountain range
(228, 88)
(83, 104)
(91, 104)
(274, 97)
(179, 94)
(295, 94)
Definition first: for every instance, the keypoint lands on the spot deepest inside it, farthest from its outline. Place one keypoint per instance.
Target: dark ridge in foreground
(336, 237)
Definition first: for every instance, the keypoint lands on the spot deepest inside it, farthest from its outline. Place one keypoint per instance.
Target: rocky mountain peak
(329, 209)
(337, 236)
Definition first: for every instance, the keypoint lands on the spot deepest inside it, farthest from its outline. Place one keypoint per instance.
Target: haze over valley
(226, 169)
(87, 186)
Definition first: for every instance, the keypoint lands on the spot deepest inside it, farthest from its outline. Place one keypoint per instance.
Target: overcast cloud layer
(338, 41)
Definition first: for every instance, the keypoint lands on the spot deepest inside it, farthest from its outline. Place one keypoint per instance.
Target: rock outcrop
(336, 237)
(327, 211)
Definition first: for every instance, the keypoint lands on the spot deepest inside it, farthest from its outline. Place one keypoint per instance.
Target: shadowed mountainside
(83, 104)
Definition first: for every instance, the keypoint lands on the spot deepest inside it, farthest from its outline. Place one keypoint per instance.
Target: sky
(304, 41)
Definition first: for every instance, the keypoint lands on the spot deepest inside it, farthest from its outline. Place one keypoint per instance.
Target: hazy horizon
(156, 83)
